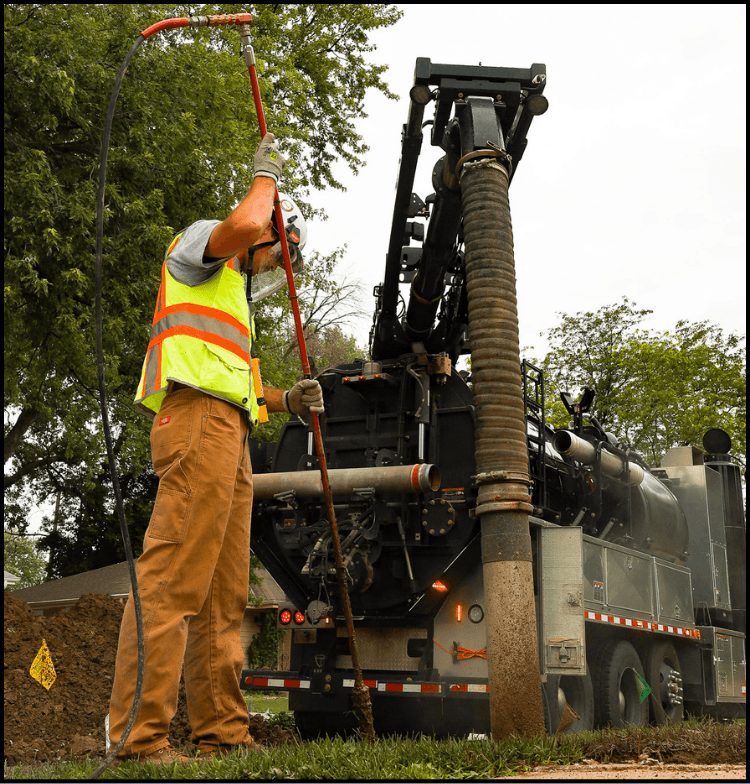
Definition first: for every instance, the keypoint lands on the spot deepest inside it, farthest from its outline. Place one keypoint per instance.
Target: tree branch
(26, 469)
(14, 439)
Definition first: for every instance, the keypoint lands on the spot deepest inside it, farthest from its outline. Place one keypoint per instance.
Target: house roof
(115, 581)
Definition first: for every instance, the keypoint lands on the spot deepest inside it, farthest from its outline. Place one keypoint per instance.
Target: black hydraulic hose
(115, 749)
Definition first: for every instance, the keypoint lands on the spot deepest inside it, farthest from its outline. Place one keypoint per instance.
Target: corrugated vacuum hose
(503, 503)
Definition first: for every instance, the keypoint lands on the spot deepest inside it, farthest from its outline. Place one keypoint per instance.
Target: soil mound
(41, 725)
(713, 743)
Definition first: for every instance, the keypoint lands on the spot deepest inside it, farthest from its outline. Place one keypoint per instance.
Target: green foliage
(90, 537)
(327, 304)
(654, 390)
(283, 719)
(265, 646)
(182, 145)
(254, 579)
(23, 560)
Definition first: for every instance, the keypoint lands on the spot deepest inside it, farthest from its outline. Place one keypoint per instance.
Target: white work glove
(304, 397)
(269, 162)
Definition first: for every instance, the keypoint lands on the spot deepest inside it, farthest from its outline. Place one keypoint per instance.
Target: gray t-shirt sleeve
(186, 262)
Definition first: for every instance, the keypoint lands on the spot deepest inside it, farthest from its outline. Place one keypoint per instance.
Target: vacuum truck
(638, 572)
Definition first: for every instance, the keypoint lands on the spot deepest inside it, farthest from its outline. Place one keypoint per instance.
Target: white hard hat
(294, 223)
(267, 283)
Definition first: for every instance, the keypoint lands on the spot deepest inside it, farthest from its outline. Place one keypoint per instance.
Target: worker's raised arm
(250, 218)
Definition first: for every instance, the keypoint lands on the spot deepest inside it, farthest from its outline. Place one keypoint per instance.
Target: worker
(197, 386)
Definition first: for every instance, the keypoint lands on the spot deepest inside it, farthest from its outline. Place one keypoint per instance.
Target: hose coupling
(487, 477)
(247, 48)
(503, 491)
(493, 157)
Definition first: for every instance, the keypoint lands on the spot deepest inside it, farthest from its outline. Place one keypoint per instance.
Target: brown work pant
(192, 579)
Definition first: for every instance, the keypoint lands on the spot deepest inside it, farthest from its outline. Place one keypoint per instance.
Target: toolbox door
(562, 629)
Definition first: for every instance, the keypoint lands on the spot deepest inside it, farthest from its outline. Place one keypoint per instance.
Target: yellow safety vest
(200, 337)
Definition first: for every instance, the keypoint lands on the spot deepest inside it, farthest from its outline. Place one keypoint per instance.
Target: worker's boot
(163, 756)
(211, 752)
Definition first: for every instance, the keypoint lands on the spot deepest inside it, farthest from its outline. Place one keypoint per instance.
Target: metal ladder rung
(533, 400)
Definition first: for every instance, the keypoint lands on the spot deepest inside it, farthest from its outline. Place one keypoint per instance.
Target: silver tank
(658, 524)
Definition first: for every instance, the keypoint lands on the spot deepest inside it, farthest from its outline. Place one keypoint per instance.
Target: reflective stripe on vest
(197, 343)
(190, 319)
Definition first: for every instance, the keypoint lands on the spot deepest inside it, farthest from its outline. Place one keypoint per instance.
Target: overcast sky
(633, 182)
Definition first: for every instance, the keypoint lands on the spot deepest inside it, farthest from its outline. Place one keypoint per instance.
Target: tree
(23, 559)
(182, 141)
(653, 390)
(327, 307)
(265, 647)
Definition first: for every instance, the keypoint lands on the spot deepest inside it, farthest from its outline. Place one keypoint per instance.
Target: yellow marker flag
(42, 669)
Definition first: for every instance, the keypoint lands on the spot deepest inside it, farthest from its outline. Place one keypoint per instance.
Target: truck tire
(660, 660)
(617, 701)
(578, 692)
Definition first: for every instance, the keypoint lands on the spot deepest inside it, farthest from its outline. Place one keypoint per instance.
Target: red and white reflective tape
(646, 625)
(479, 688)
(402, 688)
(348, 683)
(279, 683)
(410, 688)
(381, 686)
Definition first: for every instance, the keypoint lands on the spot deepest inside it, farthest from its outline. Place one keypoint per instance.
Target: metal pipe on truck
(570, 445)
(418, 478)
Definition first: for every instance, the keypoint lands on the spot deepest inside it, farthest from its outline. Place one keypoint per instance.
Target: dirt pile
(713, 743)
(69, 718)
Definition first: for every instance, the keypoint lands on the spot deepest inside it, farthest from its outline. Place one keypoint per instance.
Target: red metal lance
(361, 695)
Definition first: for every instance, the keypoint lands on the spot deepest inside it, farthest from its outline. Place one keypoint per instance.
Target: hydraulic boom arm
(493, 108)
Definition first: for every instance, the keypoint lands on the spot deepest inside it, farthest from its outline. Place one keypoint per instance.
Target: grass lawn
(425, 758)
(260, 702)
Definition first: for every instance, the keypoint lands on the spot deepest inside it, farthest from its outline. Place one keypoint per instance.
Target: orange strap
(459, 652)
(258, 392)
(466, 653)
(440, 646)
